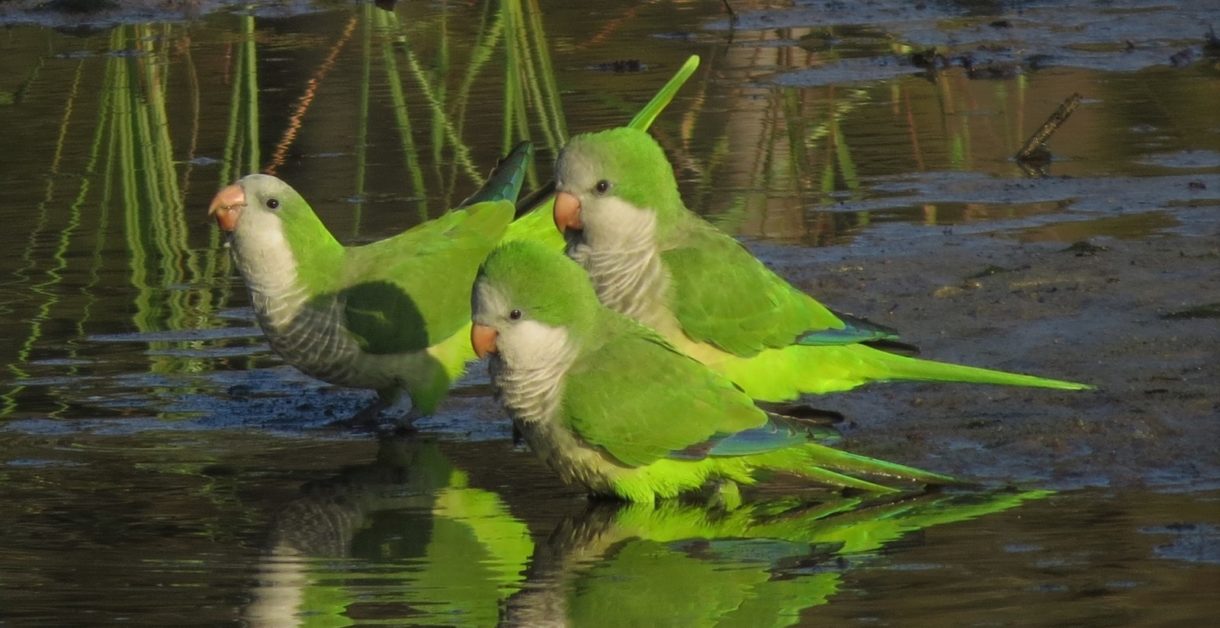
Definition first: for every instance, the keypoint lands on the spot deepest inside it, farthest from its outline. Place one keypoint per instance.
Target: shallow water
(161, 466)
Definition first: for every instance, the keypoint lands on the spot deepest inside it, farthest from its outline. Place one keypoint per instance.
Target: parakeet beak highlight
(483, 339)
(227, 205)
(567, 212)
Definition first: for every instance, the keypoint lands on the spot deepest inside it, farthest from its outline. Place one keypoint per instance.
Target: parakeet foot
(404, 425)
(367, 419)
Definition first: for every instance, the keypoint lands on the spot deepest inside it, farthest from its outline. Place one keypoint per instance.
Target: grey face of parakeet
(615, 194)
(533, 311)
(253, 205)
(520, 342)
(273, 229)
(589, 207)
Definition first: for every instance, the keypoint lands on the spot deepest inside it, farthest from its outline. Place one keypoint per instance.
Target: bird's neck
(618, 248)
(281, 277)
(529, 371)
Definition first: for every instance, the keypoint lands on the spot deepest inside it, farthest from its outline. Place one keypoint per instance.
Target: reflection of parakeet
(391, 315)
(409, 522)
(610, 405)
(656, 261)
(682, 565)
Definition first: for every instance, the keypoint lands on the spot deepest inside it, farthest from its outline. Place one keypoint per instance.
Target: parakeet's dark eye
(515, 314)
(273, 203)
(602, 186)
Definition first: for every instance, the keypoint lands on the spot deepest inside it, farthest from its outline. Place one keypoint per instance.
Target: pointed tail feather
(824, 456)
(835, 467)
(641, 121)
(891, 366)
(660, 101)
(504, 182)
(787, 373)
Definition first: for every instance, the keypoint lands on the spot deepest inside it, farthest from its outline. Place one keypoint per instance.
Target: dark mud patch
(1106, 318)
(1109, 195)
(85, 16)
(1112, 36)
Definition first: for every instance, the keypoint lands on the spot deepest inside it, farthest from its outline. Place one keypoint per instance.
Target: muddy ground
(1135, 318)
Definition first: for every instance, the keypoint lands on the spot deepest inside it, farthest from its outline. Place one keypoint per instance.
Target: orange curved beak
(227, 205)
(483, 339)
(567, 212)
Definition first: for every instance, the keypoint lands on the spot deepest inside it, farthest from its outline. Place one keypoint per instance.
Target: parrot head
(254, 200)
(608, 182)
(530, 304)
(273, 227)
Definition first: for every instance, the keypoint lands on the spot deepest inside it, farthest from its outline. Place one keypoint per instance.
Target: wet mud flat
(1137, 318)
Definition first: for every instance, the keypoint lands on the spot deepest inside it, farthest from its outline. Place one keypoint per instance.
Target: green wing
(639, 399)
(411, 291)
(722, 295)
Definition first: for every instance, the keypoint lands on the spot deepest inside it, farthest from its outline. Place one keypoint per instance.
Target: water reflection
(683, 565)
(403, 538)
(408, 539)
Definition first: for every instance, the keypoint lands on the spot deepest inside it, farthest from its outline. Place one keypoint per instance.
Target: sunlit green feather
(641, 400)
(401, 293)
(720, 304)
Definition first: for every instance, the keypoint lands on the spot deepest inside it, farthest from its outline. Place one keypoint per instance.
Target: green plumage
(391, 315)
(405, 293)
(724, 296)
(611, 396)
(709, 296)
(611, 405)
(394, 314)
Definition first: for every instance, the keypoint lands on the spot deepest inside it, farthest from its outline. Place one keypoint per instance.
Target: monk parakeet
(656, 261)
(391, 315)
(610, 405)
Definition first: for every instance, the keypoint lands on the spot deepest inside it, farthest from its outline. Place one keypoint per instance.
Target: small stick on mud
(732, 13)
(1035, 149)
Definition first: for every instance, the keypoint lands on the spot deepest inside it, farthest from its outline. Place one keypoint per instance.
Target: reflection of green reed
(362, 111)
(241, 149)
(142, 173)
(130, 162)
(801, 148)
(45, 289)
(530, 88)
(382, 20)
(139, 167)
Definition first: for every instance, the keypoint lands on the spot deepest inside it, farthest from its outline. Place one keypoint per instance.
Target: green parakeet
(656, 261)
(610, 405)
(392, 315)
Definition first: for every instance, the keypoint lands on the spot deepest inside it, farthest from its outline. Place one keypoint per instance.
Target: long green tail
(787, 373)
(835, 467)
(892, 366)
(840, 460)
(504, 182)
